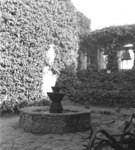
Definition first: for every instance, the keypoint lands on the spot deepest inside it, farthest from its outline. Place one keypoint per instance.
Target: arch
(111, 40)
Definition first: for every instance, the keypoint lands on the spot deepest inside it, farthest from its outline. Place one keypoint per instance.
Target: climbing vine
(110, 89)
(110, 40)
(27, 28)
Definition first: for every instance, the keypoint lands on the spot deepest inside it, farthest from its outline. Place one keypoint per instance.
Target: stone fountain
(56, 98)
(54, 118)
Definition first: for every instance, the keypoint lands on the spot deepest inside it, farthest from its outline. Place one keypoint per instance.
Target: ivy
(110, 40)
(100, 88)
(27, 29)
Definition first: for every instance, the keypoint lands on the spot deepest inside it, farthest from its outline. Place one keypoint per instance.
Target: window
(126, 58)
(102, 60)
(126, 64)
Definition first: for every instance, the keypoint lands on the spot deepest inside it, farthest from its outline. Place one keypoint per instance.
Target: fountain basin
(40, 120)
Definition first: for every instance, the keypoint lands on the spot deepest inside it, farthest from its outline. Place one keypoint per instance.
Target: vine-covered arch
(110, 40)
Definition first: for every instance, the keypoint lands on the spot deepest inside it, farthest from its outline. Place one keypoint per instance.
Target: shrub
(101, 89)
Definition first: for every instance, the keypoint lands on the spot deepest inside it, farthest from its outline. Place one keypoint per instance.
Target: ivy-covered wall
(84, 25)
(110, 40)
(27, 29)
(102, 88)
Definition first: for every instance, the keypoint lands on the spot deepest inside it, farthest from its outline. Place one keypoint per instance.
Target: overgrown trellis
(114, 89)
(110, 40)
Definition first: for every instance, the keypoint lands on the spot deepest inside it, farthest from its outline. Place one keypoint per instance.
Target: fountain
(54, 119)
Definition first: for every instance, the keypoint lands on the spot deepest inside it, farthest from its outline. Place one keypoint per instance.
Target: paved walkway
(12, 137)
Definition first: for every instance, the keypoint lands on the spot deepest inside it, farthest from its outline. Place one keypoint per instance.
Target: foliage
(100, 88)
(84, 30)
(27, 30)
(110, 40)
(83, 23)
(9, 107)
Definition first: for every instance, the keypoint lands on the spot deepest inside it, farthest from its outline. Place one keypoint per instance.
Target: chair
(102, 137)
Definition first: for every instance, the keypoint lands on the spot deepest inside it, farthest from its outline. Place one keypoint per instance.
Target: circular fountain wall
(40, 120)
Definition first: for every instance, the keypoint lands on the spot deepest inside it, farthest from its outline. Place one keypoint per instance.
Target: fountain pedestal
(56, 98)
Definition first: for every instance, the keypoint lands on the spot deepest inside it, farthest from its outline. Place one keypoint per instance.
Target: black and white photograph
(67, 75)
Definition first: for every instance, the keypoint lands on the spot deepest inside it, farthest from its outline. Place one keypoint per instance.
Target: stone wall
(35, 121)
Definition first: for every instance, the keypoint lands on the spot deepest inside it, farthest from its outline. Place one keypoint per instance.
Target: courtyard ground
(12, 137)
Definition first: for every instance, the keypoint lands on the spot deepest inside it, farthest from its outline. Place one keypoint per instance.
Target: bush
(101, 89)
(8, 106)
